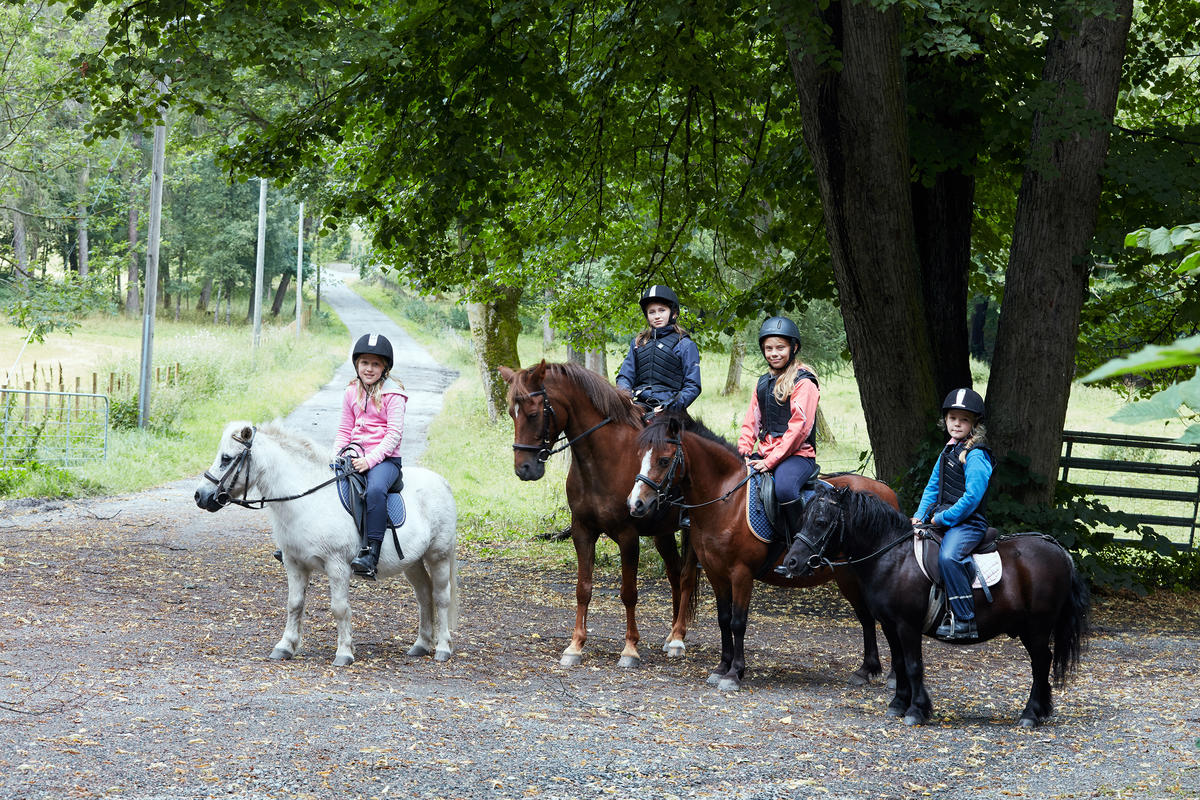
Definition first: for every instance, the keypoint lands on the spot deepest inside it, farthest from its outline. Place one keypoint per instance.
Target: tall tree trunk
(494, 329)
(855, 127)
(1049, 262)
(280, 291)
(20, 248)
(205, 295)
(597, 361)
(164, 283)
(737, 356)
(81, 221)
(133, 303)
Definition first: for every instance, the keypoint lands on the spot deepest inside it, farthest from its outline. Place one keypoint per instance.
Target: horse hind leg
(298, 580)
(418, 577)
(444, 600)
(1040, 705)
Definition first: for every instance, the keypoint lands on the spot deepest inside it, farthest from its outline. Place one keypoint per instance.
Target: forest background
(926, 183)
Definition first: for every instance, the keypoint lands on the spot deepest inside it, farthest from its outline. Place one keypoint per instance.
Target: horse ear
(674, 427)
(538, 374)
(507, 374)
(246, 433)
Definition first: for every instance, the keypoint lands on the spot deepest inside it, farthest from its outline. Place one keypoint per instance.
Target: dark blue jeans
(379, 479)
(790, 476)
(954, 560)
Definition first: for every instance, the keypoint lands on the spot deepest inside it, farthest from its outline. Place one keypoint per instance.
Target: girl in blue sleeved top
(954, 499)
(662, 368)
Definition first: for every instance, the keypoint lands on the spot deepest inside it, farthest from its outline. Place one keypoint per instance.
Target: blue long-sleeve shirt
(977, 470)
(688, 354)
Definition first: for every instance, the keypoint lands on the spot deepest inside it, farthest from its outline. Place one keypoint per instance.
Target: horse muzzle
(530, 470)
(211, 499)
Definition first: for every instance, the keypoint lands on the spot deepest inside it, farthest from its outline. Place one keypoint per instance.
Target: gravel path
(134, 633)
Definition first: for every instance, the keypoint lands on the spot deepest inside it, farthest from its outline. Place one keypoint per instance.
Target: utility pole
(259, 258)
(151, 294)
(299, 265)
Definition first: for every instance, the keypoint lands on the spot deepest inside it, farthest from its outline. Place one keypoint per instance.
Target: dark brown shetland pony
(600, 424)
(711, 474)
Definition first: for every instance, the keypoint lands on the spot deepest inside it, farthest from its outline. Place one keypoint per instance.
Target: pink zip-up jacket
(377, 430)
(794, 441)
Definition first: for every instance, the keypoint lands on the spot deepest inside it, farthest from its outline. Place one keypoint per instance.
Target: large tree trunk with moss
(20, 240)
(855, 127)
(1049, 262)
(494, 329)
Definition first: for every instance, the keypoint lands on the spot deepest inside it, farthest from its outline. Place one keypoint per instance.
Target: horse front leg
(724, 599)
(585, 559)
(739, 617)
(851, 589)
(682, 577)
(338, 573)
(630, 546)
(919, 709)
(298, 578)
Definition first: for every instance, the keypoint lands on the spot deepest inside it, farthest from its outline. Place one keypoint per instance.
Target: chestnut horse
(712, 476)
(1040, 598)
(600, 424)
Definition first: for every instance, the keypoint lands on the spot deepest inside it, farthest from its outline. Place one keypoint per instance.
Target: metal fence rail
(52, 427)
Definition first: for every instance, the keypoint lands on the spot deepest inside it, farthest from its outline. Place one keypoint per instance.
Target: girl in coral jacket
(373, 419)
(781, 419)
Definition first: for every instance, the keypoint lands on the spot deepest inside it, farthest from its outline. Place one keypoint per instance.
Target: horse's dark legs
(630, 546)
(1040, 705)
(852, 590)
(683, 586)
(911, 700)
(734, 615)
(585, 559)
(724, 619)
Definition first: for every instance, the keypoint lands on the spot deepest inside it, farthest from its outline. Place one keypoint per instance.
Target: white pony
(279, 469)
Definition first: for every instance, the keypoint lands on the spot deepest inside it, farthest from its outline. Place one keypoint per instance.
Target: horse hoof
(343, 661)
(895, 711)
(629, 662)
(570, 660)
(418, 650)
(279, 654)
(858, 679)
(714, 679)
(913, 719)
(729, 685)
(1027, 722)
(674, 648)
(891, 681)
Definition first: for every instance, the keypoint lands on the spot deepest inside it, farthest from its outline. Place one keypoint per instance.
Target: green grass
(221, 377)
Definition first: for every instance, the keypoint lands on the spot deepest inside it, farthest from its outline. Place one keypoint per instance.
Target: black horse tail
(1071, 629)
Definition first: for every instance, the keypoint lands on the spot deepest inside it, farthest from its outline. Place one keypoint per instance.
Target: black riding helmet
(660, 294)
(780, 326)
(964, 400)
(375, 344)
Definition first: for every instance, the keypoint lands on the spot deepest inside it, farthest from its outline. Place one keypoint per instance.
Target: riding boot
(278, 556)
(368, 559)
(946, 629)
(965, 630)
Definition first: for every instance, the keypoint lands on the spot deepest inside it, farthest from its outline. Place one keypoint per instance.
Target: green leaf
(1180, 353)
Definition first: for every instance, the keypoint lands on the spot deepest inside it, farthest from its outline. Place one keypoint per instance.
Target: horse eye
(225, 459)
(663, 461)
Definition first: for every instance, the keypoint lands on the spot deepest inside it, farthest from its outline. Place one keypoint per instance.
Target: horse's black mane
(866, 512)
(655, 433)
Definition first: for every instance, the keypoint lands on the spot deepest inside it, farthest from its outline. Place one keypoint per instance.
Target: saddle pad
(756, 515)
(988, 564)
(395, 501)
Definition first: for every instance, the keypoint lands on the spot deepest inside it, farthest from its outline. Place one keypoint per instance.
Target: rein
(819, 559)
(242, 461)
(660, 489)
(549, 419)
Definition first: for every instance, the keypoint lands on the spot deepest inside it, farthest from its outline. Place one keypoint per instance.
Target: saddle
(352, 490)
(985, 559)
(789, 515)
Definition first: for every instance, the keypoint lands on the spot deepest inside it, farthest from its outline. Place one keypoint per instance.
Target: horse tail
(691, 572)
(1071, 628)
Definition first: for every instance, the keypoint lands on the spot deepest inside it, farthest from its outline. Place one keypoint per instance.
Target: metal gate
(52, 427)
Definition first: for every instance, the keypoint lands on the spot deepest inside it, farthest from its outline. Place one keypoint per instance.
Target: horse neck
(712, 467)
(274, 472)
(599, 446)
(876, 525)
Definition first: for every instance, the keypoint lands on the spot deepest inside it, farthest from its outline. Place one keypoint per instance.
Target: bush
(39, 480)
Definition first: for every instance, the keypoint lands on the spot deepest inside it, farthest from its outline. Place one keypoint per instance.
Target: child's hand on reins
(360, 464)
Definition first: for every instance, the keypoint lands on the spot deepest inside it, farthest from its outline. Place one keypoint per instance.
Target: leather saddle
(985, 559)
(932, 540)
(778, 513)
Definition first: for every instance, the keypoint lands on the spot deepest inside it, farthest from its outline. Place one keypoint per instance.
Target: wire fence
(52, 427)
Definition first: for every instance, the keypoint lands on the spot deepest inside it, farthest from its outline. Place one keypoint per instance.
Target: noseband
(549, 422)
(228, 479)
(818, 545)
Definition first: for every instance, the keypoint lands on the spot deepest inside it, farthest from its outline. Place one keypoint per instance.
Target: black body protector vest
(657, 365)
(953, 479)
(775, 415)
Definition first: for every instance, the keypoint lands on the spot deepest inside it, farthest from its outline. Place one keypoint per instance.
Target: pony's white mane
(292, 443)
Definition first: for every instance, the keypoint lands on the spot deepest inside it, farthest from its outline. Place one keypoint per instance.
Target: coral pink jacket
(794, 441)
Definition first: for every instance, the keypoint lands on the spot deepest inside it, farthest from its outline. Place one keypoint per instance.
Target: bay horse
(712, 476)
(601, 424)
(1040, 596)
(291, 475)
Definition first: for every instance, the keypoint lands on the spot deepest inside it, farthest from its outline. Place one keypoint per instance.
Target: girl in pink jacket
(373, 423)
